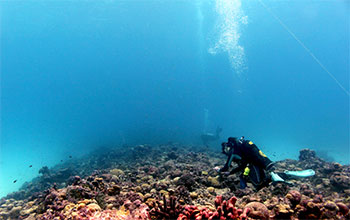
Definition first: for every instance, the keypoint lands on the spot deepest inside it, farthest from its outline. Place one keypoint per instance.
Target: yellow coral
(141, 195)
(138, 188)
(150, 202)
(68, 207)
(194, 195)
(145, 186)
(214, 181)
(81, 205)
(116, 172)
(93, 207)
(283, 208)
(211, 190)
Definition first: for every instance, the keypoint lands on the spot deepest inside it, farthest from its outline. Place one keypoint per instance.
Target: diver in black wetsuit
(252, 161)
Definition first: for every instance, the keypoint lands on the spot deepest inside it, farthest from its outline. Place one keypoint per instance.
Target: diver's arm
(240, 167)
(232, 157)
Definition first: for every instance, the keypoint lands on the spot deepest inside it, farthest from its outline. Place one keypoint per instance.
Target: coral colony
(176, 182)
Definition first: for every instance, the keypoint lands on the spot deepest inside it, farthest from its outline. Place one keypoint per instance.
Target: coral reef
(176, 182)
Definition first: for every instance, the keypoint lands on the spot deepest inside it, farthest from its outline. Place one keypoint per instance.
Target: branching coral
(168, 209)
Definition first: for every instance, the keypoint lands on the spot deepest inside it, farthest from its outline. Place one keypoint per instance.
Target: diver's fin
(275, 177)
(301, 173)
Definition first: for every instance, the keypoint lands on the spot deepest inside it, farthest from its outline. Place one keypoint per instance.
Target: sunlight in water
(229, 18)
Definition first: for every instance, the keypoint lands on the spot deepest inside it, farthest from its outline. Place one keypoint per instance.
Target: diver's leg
(258, 177)
(242, 182)
(254, 174)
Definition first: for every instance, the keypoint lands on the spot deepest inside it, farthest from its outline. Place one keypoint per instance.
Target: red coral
(224, 210)
(193, 212)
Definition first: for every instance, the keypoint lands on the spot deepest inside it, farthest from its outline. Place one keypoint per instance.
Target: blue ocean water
(79, 75)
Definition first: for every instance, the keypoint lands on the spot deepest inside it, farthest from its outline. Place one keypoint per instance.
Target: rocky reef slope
(176, 182)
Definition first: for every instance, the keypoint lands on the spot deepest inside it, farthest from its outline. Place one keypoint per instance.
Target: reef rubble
(176, 182)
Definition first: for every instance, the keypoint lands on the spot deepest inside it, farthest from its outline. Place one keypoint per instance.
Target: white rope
(303, 45)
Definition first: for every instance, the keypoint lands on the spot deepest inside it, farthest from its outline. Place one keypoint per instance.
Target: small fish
(30, 166)
(61, 160)
(14, 181)
(70, 156)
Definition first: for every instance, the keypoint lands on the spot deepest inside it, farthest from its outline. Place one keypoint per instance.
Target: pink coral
(224, 210)
(255, 210)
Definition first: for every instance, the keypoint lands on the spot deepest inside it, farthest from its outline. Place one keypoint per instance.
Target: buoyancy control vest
(251, 154)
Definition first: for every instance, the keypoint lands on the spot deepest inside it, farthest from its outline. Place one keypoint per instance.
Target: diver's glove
(217, 169)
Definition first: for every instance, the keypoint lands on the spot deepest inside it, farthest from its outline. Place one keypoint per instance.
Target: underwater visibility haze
(85, 76)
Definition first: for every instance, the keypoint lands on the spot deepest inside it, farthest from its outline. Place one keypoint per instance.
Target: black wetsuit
(248, 155)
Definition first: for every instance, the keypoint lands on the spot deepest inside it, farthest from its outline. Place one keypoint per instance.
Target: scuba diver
(256, 166)
(209, 137)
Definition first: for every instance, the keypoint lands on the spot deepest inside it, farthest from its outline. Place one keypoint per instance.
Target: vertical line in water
(202, 76)
(200, 18)
(303, 45)
(1, 106)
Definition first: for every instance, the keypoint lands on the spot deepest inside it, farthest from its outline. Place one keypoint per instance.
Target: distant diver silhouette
(210, 137)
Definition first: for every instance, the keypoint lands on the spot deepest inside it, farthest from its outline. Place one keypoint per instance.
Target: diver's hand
(217, 169)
